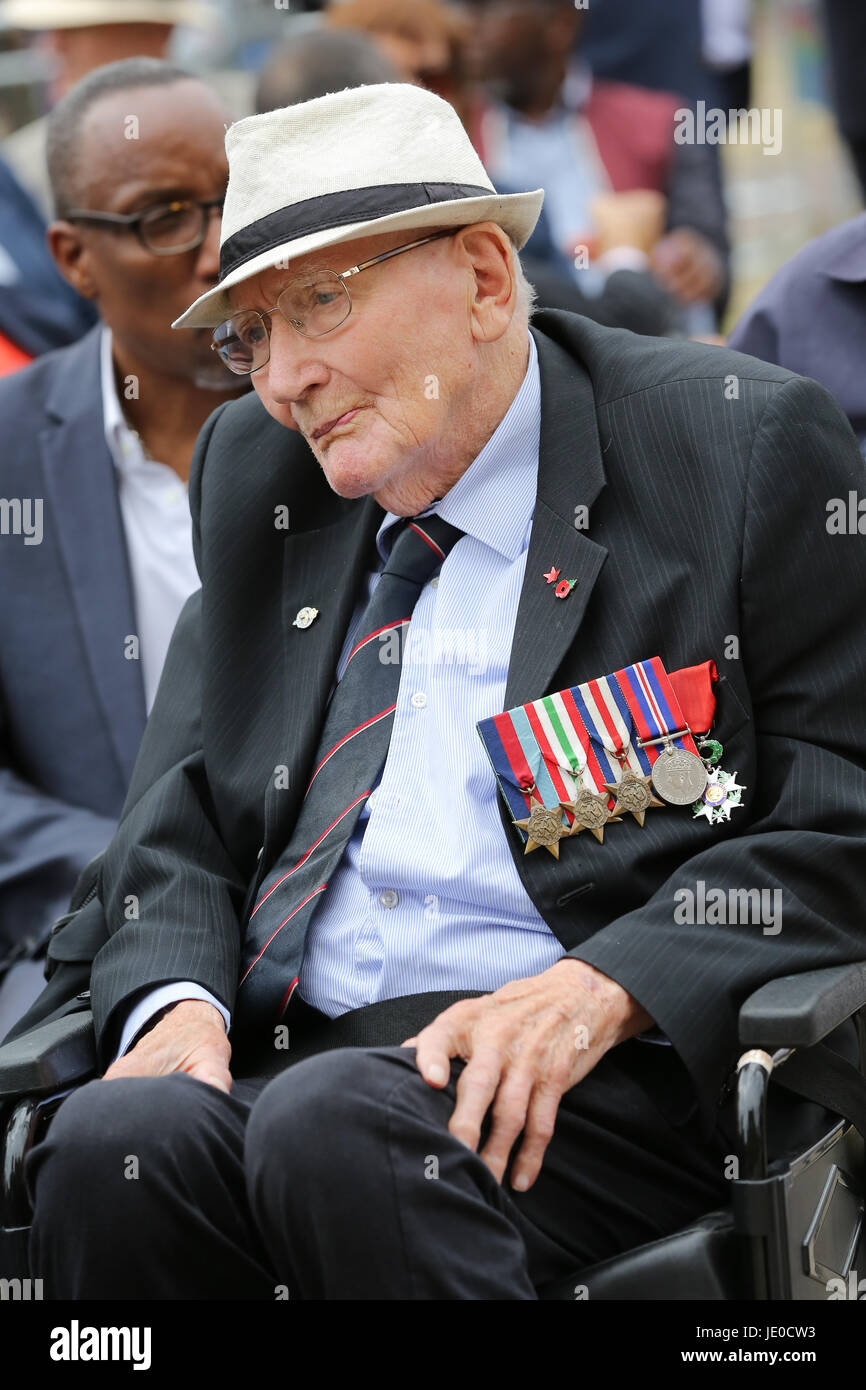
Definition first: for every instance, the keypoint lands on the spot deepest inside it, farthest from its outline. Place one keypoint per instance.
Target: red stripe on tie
(429, 539)
(376, 717)
(305, 856)
(321, 888)
(287, 996)
(401, 622)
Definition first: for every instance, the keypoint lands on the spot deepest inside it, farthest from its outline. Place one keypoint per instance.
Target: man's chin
(348, 472)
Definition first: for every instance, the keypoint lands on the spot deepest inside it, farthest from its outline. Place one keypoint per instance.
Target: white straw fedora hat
(350, 164)
(80, 14)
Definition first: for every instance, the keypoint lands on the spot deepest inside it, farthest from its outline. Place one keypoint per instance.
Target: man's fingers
(509, 1118)
(475, 1091)
(538, 1132)
(117, 1070)
(221, 1078)
(435, 1045)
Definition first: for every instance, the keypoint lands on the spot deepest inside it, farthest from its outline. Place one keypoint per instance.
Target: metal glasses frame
(342, 276)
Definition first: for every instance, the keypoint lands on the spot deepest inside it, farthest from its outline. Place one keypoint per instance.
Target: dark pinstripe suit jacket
(707, 476)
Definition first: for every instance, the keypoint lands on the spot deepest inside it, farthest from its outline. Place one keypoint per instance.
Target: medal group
(583, 758)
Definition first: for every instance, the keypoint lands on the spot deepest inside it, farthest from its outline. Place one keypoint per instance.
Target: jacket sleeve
(44, 845)
(757, 333)
(170, 892)
(802, 841)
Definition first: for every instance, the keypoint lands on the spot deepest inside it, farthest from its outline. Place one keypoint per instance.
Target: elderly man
(486, 558)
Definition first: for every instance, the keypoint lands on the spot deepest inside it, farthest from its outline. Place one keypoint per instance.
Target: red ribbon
(693, 687)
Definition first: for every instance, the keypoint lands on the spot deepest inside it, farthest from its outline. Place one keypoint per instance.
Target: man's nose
(208, 259)
(294, 364)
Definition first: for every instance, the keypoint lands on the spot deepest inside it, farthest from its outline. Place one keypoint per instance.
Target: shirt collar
(123, 443)
(494, 500)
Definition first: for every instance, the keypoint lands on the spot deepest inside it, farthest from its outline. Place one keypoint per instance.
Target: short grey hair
(526, 292)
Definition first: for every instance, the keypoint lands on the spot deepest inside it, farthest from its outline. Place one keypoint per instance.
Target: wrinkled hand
(688, 266)
(190, 1037)
(525, 1045)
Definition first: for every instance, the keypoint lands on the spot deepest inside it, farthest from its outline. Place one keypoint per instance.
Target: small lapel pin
(305, 616)
(564, 587)
(551, 575)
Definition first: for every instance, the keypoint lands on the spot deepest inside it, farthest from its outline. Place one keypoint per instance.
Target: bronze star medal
(590, 813)
(543, 827)
(633, 793)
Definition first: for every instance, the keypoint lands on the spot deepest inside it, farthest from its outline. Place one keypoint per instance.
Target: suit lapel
(323, 568)
(82, 487)
(570, 476)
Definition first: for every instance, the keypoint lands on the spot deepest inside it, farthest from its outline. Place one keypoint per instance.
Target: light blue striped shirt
(426, 895)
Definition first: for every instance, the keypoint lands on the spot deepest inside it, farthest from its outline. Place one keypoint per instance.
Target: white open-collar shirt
(157, 528)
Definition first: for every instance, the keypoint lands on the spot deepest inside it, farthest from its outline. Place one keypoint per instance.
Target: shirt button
(389, 898)
(371, 800)
(419, 699)
(434, 582)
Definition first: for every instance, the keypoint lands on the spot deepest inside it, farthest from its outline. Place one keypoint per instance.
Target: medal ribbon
(538, 743)
(654, 706)
(693, 688)
(610, 726)
(516, 767)
(570, 741)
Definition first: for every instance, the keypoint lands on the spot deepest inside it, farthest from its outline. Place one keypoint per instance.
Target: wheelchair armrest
(800, 1010)
(50, 1057)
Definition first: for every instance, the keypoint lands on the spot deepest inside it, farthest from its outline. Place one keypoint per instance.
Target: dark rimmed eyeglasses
(314, 304)
(164, 230)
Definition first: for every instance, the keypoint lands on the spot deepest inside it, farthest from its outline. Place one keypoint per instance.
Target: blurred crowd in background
(578, 98)
(664, 213)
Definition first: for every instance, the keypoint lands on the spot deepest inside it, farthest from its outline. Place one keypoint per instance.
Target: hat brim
(515, 213)
(55, 14)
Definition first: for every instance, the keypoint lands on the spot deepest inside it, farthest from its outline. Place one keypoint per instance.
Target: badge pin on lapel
(564, 587)
(305, 616)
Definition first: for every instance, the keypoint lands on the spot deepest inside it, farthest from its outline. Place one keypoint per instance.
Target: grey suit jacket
(72, 707)
(706, 476)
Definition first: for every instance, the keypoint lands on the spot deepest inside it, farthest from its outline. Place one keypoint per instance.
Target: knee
(105, 1132)
(316, 1113)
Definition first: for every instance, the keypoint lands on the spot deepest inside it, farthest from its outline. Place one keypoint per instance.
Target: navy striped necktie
(349, 759)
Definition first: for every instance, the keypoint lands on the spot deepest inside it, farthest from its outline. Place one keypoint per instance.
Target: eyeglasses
(314, 304)
(166, 230)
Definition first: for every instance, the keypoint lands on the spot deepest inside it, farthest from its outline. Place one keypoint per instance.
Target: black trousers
(337, 1178)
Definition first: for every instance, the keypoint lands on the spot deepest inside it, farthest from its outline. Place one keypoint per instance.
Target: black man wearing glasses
(96, 561)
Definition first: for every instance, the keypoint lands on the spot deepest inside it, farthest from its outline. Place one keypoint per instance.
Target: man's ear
(488, 249)
(71, 257)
